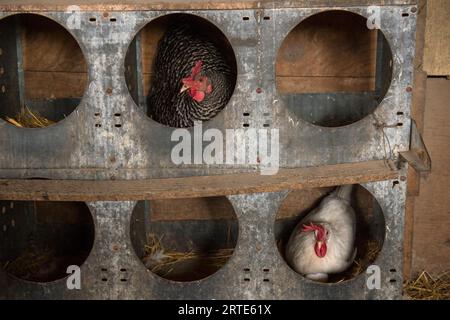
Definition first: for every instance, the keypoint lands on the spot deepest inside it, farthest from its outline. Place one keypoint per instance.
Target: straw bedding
(28, 119)
(165, 262)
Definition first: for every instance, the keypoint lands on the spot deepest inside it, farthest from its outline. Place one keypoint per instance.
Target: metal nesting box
(113, 270)
(89, 144)
(127, 145)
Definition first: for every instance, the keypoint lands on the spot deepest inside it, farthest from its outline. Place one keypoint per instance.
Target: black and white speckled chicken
(192, 81)
(323, 242)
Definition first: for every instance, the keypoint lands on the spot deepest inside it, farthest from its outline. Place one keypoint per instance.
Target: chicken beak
(184, 88)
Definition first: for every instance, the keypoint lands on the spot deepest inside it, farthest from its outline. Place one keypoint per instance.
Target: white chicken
(323, 242)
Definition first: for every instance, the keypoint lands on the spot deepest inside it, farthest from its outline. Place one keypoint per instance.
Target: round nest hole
(39, 240)
(180, 68)
(186, 239)
(43, 73)
(370, 226)
(332, 70)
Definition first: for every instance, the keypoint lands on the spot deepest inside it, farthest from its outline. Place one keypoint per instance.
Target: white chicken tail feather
(344, 192)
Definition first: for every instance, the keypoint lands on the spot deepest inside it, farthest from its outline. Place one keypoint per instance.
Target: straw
(27, 119)
(429, 287)
(162, 261)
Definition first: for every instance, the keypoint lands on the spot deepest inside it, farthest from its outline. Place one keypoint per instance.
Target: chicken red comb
(314, 227)
(310, 227)
(197, 68)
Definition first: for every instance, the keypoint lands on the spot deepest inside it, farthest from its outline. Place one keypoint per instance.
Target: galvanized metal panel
(76, 148)
(256, 250)
(141, 148)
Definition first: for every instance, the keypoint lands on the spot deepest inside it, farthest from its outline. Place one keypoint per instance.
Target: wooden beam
(320, 84)
(417, 113)
(195, 187)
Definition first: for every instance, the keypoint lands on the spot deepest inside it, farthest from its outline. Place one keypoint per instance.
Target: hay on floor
(162, 261)
(27, 119)
(429, 287)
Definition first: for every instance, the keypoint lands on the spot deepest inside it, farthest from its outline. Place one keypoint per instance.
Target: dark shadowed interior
(39, 240)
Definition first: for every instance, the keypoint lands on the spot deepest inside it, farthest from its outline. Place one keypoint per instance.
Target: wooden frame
(191, 187)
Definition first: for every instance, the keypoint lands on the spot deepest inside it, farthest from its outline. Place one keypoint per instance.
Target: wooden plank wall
(437, 47)
(427, 232)
(431, 236)
(296, 203)
(220, 208)
(343, 58)
(54, 65)
(327, 53)
(150, 36)
(212, 208)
